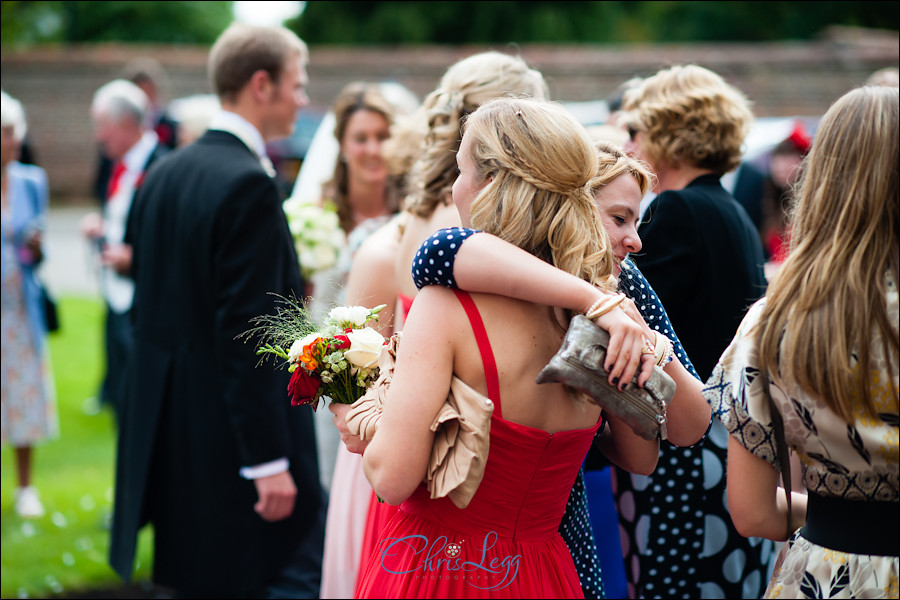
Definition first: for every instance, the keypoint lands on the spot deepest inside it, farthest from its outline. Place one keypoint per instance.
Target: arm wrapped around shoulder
(579, 364)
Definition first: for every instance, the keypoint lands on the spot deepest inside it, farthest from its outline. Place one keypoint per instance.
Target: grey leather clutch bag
(579, 364)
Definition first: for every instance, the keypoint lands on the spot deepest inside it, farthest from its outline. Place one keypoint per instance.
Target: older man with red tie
(118, 113)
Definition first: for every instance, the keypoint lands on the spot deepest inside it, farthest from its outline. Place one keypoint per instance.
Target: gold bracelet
(662, 351)
(604, 305)
(596, 304)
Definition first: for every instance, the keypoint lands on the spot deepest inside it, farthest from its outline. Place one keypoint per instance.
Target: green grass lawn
(66, 550)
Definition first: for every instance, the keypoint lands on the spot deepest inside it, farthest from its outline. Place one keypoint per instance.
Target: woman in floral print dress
(823, 345)
(28, 409)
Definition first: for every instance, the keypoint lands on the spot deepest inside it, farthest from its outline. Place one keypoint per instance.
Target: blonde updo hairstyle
(464, 87)
(613, 162)
(540, 161)
(690, 116)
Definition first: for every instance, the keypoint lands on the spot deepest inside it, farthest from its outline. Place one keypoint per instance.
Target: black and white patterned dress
(851, 466)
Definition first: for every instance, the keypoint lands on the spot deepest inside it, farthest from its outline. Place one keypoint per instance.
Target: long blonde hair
(463, 88)
(540, 161)
(827, 303)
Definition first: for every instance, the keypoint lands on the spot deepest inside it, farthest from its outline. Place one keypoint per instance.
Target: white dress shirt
(118, 290)
(245, 131)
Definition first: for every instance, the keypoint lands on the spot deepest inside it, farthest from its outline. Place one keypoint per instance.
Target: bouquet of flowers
(337, 360)
(317, 234)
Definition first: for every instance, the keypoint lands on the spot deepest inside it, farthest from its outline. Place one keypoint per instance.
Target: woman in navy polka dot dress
(618, 199)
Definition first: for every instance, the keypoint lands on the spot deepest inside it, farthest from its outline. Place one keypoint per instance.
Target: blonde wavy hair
(691, 116)
(405, 146)
(827, 303)
(613, 161)
(540, 161)
(464, 87)
(356, 96)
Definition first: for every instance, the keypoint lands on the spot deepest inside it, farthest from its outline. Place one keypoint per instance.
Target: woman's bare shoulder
(381, 243)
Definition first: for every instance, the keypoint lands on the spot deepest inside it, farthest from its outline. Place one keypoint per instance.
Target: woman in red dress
(524, 169)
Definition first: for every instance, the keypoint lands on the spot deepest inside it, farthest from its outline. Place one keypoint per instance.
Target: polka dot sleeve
(433, 263)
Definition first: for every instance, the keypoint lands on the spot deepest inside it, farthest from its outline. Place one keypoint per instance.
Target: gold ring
(647, 350)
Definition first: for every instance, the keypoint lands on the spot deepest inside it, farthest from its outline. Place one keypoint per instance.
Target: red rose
(344, 342)
(303, 387)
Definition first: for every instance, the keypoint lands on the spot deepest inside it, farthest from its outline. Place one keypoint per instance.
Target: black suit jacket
(210, 243)
(703, 257)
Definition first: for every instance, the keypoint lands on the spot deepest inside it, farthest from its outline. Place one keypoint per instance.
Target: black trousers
(300, 578)
(119, 348)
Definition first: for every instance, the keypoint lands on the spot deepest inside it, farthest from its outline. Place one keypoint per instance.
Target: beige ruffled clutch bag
(461, 431)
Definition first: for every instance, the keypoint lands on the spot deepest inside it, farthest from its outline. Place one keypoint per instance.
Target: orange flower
(308, 358)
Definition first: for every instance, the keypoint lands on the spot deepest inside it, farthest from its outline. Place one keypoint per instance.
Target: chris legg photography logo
(445, 559)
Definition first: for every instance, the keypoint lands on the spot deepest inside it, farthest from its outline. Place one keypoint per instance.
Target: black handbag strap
(780, 446)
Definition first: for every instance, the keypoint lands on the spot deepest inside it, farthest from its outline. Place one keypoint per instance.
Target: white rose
(324, 257)
(365, 347)
(349, 316)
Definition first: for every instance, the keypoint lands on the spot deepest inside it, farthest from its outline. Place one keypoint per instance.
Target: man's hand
(277, 494)
(92, 226)
(117, 257)
(353, 442)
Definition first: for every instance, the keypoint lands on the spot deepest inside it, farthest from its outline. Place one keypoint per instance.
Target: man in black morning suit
(211, 453)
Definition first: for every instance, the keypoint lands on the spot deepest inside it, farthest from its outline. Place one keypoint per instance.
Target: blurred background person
(766, 194)
(703, 257)
(365, 196)
(821, 351)
(361, 189)
(614, 104)
(370, 282)
(118, 112)
(28, 394)
(150, 76)
(193, 114)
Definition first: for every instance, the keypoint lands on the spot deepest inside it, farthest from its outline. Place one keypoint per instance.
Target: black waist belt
(854, 526)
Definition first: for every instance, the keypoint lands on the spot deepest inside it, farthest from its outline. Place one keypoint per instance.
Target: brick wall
(55, 84)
